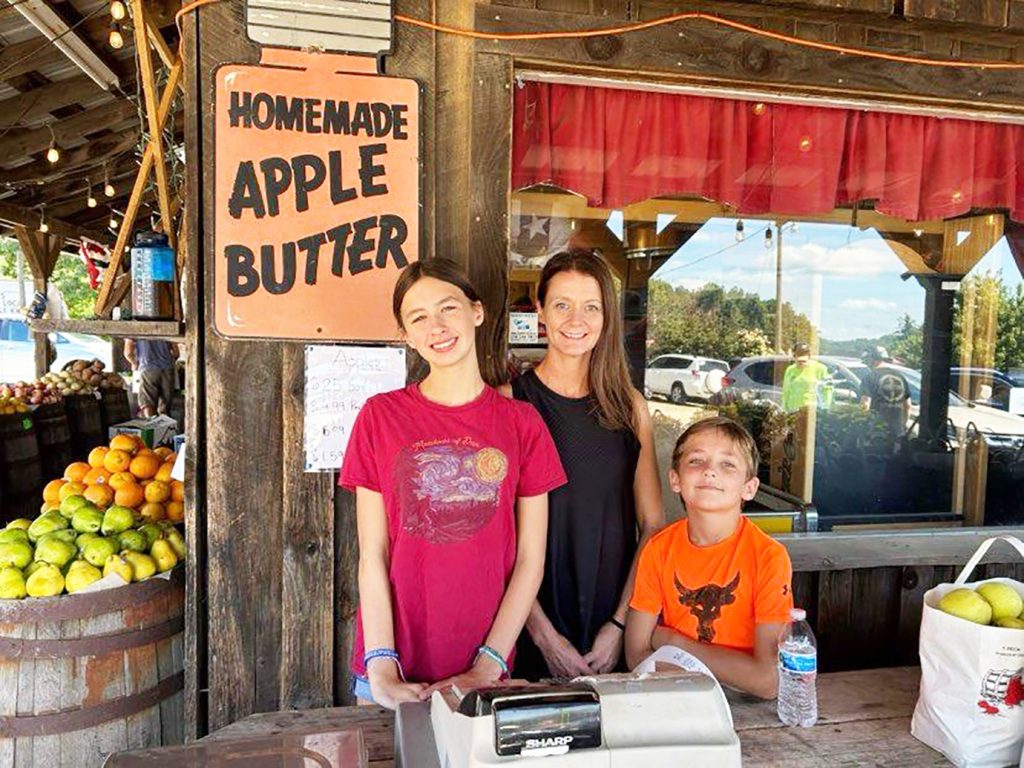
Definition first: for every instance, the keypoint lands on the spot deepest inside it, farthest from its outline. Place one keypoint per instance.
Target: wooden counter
(864, 719)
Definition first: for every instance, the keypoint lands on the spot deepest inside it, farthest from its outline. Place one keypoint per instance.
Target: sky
(847, 278)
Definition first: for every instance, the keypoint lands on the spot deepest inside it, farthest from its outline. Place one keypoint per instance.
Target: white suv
(681, 377)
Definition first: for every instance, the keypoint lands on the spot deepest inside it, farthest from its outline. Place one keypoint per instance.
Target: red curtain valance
(619, 146)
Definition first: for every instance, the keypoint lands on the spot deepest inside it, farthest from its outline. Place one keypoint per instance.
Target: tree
(908, 342)
(69, 275)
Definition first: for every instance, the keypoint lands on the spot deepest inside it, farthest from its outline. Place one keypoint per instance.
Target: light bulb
(116, 39)
(739, 230)
(117, 10)
(91, 201)
(53, 154)
(43, 226)
(113, 223)
(108, 189)
(768, 238)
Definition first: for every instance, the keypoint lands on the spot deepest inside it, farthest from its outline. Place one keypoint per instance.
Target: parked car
(681, 377)
(17, 350)
(760, 378)
(987, 386)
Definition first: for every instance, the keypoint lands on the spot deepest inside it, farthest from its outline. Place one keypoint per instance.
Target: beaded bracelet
(493, 655)
(383, 653)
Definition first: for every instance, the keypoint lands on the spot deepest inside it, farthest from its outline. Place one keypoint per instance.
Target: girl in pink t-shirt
(451, 483)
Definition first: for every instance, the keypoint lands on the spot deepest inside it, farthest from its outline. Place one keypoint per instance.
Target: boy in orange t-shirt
(720, 586)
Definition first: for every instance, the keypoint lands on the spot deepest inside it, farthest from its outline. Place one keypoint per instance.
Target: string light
(108, 188)
(91, 199)
(113, 223)
(43, 226)
(739, 230)
(53, 153)
(118, 10)
(116, 39)
(768, 237)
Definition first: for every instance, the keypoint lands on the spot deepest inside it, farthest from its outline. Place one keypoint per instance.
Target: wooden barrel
(21, 473)
(86, 424)
(53, 434)
(114, 407)
(82, 676)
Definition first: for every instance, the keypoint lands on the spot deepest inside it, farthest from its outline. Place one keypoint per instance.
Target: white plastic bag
(971, 703)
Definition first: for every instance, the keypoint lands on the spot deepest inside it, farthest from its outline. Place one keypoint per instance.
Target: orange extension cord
(674, 18)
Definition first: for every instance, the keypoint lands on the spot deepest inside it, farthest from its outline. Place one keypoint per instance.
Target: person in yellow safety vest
(806, 382)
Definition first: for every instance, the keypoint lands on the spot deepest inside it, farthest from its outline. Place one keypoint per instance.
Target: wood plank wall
(273, 551)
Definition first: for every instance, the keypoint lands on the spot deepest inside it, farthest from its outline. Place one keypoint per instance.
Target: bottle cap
(797, 614)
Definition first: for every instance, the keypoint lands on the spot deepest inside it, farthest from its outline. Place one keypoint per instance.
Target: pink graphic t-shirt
(450, 477)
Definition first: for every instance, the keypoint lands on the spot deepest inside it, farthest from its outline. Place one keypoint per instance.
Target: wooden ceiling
(98, 131)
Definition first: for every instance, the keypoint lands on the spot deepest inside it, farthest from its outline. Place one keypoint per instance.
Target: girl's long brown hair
(608, 376)
(447, 271)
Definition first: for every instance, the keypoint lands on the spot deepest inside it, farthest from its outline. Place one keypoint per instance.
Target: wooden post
(41, 252)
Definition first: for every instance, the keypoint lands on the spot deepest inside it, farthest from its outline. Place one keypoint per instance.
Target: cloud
(861, 304)
(866, 258)
(690, 284)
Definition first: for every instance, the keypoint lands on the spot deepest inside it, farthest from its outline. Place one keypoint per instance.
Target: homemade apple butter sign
(317, 197)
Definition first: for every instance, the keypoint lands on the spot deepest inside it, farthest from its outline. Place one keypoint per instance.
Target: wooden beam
(39, 102)
(91, 154)
(149, 329)
(16, 214)
(34, 54)
(151, 94)
(22, 143)
(157, 40)
(103, 305)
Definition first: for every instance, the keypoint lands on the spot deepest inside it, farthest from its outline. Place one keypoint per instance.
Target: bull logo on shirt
(706, 603)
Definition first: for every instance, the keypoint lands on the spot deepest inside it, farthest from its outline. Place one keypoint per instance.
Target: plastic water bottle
(798, 672)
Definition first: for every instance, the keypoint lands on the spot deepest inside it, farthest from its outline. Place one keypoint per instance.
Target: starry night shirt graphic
(448, 489)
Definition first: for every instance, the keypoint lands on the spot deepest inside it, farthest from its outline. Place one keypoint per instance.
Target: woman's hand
(389, 689)
(562, 658)
(607, 649)
(484, 672)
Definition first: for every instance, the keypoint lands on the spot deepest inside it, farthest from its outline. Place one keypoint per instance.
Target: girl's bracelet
(493, 655)
(617, 623)
(383, 653)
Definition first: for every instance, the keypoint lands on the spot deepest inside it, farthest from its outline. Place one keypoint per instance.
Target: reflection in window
(878, 426)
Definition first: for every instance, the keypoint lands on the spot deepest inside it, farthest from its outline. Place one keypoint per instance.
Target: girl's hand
(562, 657)
(607, 649)
(484, 672)
(389, 689)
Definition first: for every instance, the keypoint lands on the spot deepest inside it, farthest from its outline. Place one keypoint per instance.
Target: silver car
(760, 378)
(681, 377)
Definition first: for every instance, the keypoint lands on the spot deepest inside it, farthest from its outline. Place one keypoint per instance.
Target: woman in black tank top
(612, 503)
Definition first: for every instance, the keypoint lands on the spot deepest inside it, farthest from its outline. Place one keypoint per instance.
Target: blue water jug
(153, 281)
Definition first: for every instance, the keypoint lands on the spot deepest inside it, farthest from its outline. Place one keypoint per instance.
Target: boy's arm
(757, 674)
(640, 630)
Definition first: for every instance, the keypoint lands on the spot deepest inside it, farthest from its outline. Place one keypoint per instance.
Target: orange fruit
(119, 479)
(77, 471)
(117, 460)
(71, 489)
(100, 495)
(163, 452)
(51, 493)
(96, 476)
(164, 473)
(157, 491)
(175, 511)
(170, 458)
(129, 495)
(151, 512)
(127, 443)
(177, 490)
(96, 456)
(144, 466)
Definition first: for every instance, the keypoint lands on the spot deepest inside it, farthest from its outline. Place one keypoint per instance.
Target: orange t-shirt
(716, 594)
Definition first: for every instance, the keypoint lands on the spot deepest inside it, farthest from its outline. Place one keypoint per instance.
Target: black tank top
(592, 528)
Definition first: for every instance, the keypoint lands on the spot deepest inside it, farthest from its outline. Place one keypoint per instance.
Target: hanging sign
(317, 196)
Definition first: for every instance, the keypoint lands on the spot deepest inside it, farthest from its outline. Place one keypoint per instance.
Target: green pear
(13, 534)
(97, 551)
(120, 566)
(143, 566)
(152, 532)
(32, 567)
(12, 584)
(84, 538)
(64, 534)
(15, 554)
(117, 520)
(21, 524)
(966, 604)
(45, 524)
(86, 520)
(133, 540)
(80, 575)
(177, 542)
(1010, 623)
(55, 551)
(1006, 602)
(46, 581)
(164, 555)
(72, 504)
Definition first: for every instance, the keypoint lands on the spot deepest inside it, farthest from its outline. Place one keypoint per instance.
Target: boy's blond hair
(733, 430)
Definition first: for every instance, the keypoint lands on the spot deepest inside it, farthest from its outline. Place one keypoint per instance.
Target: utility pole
(778, 287)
